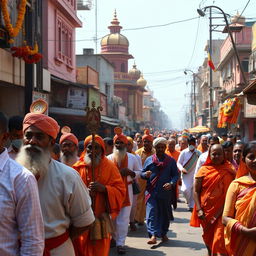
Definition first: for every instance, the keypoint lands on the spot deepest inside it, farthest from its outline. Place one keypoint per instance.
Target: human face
(171, 145)
(147, 145)
(16, 134)
(250, 161)
(228, 153)
(68, 147)
(97, 147)
(217, 154)
(119, 144)
(204, 141)
(183, 144)
(160, 149)
(129, 147)
(35, 137)
(139, 142)
(237, 152)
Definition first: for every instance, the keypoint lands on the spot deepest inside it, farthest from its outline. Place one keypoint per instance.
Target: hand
(184, 171)
(167, 186)
(147, 174)
(200, 214)
(124, 172)
(249, 232)
(96, 187)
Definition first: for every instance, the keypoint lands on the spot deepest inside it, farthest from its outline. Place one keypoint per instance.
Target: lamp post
(201, 12)
(194, 96)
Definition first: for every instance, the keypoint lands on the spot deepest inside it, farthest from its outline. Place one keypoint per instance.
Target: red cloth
(121, 137)
(44, 123)
(54, 242)
(69, 136)
(147, 137)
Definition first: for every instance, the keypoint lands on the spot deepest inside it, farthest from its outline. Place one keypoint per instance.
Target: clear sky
(162, 53)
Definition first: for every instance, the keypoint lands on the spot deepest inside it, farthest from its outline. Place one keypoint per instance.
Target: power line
(244, 9)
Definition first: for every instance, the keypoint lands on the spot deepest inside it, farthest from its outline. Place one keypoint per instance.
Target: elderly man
(69, 149)
(65, 202)
(129, 168)
(182, 144)
(161, 174)
(21, 225)
(107, 191)
(187, 165)
(144, 152)
(203, 146)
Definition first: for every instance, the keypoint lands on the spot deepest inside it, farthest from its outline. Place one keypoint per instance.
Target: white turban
(159, 140)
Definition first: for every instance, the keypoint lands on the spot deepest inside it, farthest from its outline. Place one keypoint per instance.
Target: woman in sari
(239, 215)
(210, 187)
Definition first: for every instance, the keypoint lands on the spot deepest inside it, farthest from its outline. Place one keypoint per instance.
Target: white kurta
(65, 201)
(201, 160)
(122, 220)
(187, 179)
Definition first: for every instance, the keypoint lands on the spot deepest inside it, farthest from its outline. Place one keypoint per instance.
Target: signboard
(103, 104)
(249, 110)
(121, 113)
(77, 98)
(94, 95)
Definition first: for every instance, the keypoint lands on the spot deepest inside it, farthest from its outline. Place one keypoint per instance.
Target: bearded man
(107, 191)
(64, 199)
(144, 152)
(129, 168)
(69, 149)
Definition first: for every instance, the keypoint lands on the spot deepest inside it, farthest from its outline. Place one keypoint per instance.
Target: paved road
(184, 240)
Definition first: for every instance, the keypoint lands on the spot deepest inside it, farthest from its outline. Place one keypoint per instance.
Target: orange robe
(141, 205)
(216, 180)
(200, 148)
(108, 175)
(240, 205)
(242, 170)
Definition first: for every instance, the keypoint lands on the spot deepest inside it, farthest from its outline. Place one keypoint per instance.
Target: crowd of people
(80, 198)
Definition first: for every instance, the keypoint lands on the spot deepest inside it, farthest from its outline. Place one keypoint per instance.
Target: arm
(197, 194)
(29, 216)
(145, 173)
(174, 176)
(180, 162)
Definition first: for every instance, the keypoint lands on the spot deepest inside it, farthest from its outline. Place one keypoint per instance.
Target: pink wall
(59, 65)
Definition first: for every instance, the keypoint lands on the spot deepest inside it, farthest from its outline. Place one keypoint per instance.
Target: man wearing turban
(161, 173)
(65, 202)
(144, 152)
(69, 148)
(107, 191)
(129, 168)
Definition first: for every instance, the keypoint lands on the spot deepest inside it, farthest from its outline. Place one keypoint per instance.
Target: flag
(210, 63)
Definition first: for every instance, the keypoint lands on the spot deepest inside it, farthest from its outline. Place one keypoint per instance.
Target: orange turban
(69, 136)
(44, 123)
(119, 135)
(130, 139)
(98, 140)
(147, 135)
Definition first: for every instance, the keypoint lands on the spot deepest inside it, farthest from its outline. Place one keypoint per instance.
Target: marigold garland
(13, 31)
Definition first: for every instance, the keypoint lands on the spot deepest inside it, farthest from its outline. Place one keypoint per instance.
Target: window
(64, 42)
(245, 65)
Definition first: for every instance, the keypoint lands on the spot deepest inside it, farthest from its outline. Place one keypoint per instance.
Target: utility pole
(210, 74)
(194, 93)
(191, 106)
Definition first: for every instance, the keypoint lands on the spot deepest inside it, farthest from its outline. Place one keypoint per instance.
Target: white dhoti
(187, 188)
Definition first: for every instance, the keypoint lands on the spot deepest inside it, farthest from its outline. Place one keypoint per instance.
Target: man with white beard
(107, 190)
(69, 148)
(129, 168)
(65, 203)
(21, 225)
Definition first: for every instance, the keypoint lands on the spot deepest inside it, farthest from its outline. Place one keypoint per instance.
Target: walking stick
(92, 120)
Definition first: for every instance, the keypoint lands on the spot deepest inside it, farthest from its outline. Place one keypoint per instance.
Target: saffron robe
(108, 175)
(216, 180)
(240, 205)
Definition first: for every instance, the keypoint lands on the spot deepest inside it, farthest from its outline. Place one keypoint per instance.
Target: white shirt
(65, 201)
(201, 160)
(20, 213)
(185, 156)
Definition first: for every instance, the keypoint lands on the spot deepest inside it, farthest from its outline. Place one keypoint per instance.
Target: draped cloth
(108, 175)
(216, 180)
(200, 148)
(240, 205)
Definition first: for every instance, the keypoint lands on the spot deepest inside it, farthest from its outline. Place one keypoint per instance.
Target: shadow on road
(180, 244)
(180, 220)
(135, 251)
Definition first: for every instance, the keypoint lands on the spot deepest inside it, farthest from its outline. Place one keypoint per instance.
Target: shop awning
(250, 92)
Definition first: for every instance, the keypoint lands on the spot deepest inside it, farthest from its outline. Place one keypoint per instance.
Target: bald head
(217, 154)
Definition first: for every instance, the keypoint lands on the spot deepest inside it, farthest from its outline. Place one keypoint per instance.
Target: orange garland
(13, 31)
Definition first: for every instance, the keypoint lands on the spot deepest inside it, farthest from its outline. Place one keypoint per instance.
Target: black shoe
(190, 209)
(112, 243)
(121, 249)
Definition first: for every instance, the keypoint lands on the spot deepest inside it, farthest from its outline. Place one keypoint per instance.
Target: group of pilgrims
(80, 198)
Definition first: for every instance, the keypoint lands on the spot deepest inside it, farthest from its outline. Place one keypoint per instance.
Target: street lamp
(201, 12)
(194, 94)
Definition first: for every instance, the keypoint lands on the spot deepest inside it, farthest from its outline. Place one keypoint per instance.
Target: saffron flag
(210, 63)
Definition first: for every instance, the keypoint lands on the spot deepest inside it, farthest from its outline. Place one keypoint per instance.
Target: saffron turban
(159, 140)
(42, 122)
(69, 136)
(119, 135)
(97, 139)
(130, 139)
(147, 135)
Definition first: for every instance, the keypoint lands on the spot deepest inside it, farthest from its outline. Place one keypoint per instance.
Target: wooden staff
(92, 120)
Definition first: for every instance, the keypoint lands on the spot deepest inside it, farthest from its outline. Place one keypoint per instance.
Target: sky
(165, 37)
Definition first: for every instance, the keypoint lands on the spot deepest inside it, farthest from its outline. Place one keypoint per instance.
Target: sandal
(152, 240)
(120, 249)
(165, 238)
